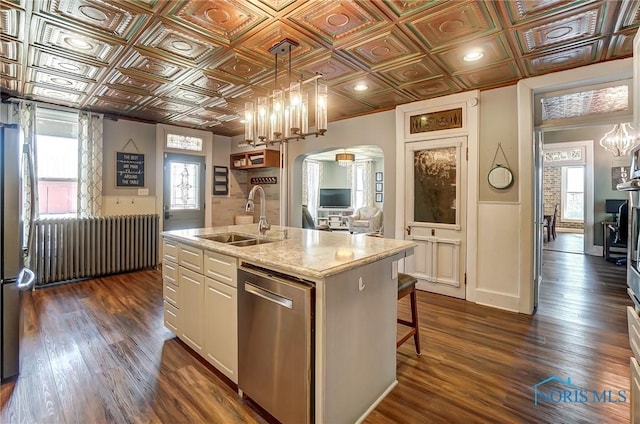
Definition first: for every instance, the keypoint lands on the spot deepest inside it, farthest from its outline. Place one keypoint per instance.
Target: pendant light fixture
(345, 159)
(620, 140)
(284, 115)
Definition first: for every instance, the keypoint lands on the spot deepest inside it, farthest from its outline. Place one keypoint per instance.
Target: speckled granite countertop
(310, 253)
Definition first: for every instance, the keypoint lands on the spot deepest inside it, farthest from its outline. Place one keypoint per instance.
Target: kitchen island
(354, 306)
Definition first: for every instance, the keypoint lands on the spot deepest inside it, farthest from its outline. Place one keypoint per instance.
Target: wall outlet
(361, 285)
(143, 192)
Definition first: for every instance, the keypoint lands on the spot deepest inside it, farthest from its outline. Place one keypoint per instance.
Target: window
(358, 189)
(311, 178)
(572, 193)
(57, 162)
(184, 142)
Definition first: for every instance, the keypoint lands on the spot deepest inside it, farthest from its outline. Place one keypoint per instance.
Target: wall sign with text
(129, 169)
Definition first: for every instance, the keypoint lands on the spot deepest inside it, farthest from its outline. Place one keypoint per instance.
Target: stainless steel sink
(227, 237)
(234, 239)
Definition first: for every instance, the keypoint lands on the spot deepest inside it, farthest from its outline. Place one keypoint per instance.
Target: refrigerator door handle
(26, 279)
(255, 290)
(32, 194)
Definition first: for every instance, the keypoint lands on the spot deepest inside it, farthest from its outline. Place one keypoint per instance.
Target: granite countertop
(310, 253)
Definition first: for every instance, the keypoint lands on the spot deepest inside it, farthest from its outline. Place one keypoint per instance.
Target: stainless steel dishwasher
(276, 343)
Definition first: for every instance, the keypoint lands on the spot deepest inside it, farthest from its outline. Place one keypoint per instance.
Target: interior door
(183, 191)
(436, 175)
(538, 215)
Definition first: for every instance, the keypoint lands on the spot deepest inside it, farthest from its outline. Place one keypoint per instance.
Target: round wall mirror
(500, 177)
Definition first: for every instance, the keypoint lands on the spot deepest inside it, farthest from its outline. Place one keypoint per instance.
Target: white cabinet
(635, 391)
(200, 303)
(336, 219)
(191, 299)
(221, 338)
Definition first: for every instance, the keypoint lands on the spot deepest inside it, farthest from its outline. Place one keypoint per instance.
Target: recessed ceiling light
(360, 86)
(473, 56)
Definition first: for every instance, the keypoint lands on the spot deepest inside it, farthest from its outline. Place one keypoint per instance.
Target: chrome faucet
(263, 224)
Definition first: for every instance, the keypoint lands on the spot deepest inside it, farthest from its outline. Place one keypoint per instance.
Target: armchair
(367, 219)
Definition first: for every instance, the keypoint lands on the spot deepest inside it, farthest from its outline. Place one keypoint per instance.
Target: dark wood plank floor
(97, 352)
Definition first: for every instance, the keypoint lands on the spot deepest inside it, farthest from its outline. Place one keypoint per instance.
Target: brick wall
(552, 194)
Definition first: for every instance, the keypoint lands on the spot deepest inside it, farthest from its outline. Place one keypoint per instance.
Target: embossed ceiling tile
(9, 70)
(373, 86)
(338, 22)
(410, 73)
(191, 120)
(109, 105)
(11, 50)
(206, 81)
(81, 43)
(206, 114)
(149, 114)
(123, 78)
(150, 65)
(332, 68)
(496, 75)
(432, 88)
(57, 81)
(168, 105)
(385, 98)
(565, 59)
(277, 5)
(120, 95)
(10, 85)
(384, 49)
(46, 60)
(520, 11)
(176, 42)
(243, 69)
(188, 96)
(454, 24)
(103, 16)
(277, 31)
(621, 45)
(53, 95)
(546, 33)
(629, 15)
(494, 49)
(11, 22)
(225, 20)
(341, 107)
(404, 8)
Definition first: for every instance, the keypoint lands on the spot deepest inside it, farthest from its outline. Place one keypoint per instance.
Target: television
(613, 205)
(335, 197)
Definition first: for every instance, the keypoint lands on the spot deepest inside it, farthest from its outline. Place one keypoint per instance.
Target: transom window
(184, 142)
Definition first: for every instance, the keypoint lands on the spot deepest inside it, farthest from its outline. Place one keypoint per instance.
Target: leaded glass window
(184, 185)
(184, 142)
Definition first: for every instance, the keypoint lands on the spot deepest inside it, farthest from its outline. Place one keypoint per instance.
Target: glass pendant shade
(304, 113)
(277, 114)
(620, 140)
(295, 106)
(249, 122)
(262, 118)
(321, 108)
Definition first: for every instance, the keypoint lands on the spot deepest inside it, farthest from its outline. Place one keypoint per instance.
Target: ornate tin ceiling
(195, 62)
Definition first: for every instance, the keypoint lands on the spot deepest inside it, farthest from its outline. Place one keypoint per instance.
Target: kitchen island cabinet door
(221, 335)
(191, 297)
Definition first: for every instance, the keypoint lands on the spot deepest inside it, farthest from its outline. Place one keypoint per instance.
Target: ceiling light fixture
(360, 86)
(345, 159)
(620, 140)
(278, 119)
(473, 56)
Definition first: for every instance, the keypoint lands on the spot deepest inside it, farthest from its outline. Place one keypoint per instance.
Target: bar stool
(407, 286)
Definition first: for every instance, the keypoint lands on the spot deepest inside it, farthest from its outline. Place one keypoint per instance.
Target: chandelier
(284, 115)
(345, 159)
(620, 140)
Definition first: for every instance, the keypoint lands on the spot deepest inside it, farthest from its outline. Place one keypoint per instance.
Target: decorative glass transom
(184, 142)
(584, 103)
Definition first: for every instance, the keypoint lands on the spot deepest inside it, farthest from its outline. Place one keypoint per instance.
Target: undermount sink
(226, 237)
(234, 239)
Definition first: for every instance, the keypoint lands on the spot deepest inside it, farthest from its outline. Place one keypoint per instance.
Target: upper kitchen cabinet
(264, 158)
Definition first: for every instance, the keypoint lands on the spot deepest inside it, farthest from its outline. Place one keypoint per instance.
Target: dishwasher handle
(267, 295)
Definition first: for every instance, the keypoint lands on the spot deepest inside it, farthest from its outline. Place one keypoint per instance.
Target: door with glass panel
(183, 191)
(436, 175)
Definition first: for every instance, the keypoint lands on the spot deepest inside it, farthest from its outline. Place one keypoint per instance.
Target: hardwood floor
(97, 352)
(565, 242)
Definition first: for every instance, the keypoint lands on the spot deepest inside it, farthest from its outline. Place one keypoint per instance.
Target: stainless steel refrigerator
(14, 278)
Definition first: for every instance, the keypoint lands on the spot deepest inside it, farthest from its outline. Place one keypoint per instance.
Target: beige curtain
(90, 134)
(23, 113)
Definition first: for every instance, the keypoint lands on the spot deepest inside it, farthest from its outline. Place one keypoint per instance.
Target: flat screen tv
(335, 197)
(613, 205)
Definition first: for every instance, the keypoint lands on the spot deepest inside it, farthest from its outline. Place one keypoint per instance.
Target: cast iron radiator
(72, 248)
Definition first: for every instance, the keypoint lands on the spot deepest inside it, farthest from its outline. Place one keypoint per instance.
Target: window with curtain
(57, 162)
(362, 184)
(311, 186)
(572, 193)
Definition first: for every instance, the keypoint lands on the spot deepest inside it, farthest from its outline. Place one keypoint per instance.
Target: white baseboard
(569, 230)
(504, 301)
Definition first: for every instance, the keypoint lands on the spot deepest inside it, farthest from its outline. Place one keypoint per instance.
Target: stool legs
(414, 323)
